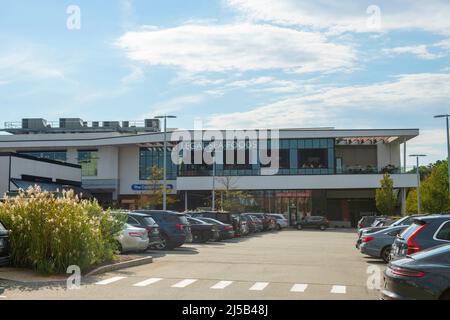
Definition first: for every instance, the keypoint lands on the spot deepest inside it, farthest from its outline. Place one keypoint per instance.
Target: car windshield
(400, 221)
(212, 220)
(410, 230)
(2, 228)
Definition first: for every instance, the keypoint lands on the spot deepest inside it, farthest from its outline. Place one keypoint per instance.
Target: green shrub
(50, 232)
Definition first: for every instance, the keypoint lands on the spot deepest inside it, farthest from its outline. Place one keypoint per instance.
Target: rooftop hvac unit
(152, 123)
(126, 124)
(111, 124)
(71, 123)
(34, 123)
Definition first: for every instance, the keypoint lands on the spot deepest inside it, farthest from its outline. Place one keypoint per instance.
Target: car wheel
(278, 227)
(323, 228)
(197, 238)
(299, 227)
(386, 254)
(163, 245)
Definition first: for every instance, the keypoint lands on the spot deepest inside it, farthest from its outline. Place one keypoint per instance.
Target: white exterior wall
(353, 181)
(388, 154)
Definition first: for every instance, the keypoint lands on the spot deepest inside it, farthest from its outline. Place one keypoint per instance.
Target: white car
(133, 239)
(282, 222)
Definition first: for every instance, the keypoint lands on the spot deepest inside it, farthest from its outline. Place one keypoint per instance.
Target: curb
(97, 271)
(121, 265)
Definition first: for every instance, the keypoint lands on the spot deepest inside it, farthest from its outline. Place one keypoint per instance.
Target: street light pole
(448, 144)
(165, 159)
(418, 179)
(213, 202)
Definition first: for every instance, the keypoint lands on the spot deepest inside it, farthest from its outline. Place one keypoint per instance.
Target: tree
(434, 190)
(411, 202)
(230, 198)
(153, 195)
(385, 197)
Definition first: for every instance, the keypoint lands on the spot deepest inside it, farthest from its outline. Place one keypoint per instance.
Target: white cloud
(345, 106)
(349, 15)
(236, 47)
(27, 65)
(420, 50)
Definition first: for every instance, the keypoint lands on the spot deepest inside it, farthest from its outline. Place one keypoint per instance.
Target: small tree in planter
(385, 197)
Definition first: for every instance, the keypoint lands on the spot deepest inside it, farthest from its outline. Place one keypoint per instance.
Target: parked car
(251, 223)
(269, 223)
(225, 217)
(142, 220)
(133, 239)
(4, 246)
(226, 231)
(174, 228)
(317, 222)
(281, 221)
(404, 221)
(422, 276)
(425, 232)
(258, 223)
(379, 244)
(366, 221)
(203, 231)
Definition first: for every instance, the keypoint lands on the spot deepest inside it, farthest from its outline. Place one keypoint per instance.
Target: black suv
(174, 227)
(425, 232)
(316, 222)
(4, 246)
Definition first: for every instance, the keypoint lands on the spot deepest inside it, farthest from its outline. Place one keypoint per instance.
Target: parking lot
(289, 264)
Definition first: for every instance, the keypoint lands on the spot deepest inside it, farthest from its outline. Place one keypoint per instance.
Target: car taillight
(404, 272)
(227, 228)
(413, 246)
(360, 225)
(179, 226)
(367, 239)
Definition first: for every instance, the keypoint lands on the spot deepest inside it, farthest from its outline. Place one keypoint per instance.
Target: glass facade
(88, 160)
(59, 155)
(149, 157)
(296, 157)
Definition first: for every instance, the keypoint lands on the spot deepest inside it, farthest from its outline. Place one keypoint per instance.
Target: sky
(231, 63)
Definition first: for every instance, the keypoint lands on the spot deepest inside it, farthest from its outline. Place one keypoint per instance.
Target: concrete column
(403, 190)
(185, 201)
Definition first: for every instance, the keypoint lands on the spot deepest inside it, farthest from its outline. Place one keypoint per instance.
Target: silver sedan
(133, 239)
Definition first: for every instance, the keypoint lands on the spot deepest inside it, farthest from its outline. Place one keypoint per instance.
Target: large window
(149, 157)
(57, 155)
(313, 158)
(88, 160)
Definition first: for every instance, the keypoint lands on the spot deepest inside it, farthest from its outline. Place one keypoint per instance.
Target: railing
(84, 124)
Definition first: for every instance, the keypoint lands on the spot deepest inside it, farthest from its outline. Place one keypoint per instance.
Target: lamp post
(448, 144)
(165, 158)
(213, 202)
(418, 179)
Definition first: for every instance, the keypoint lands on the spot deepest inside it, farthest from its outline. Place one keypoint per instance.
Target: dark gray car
(379, 244)
(421, 276)
(425, 232)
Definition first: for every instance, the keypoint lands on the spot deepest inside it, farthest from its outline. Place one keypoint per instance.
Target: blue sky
(232, 63)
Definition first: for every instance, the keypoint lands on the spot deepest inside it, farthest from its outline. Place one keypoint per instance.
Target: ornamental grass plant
(50, 232)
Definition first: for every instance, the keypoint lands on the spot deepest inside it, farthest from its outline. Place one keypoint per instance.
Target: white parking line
(110, 280)
(299, 287)
(259, 286)
(339, 289)
(221, 285)
(184, 283)
(147, 282)
(2, 297)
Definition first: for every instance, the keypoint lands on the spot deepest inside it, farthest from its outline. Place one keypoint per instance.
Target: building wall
(388, 154)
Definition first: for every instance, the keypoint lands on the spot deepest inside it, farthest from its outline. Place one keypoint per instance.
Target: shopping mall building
(321, 171)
